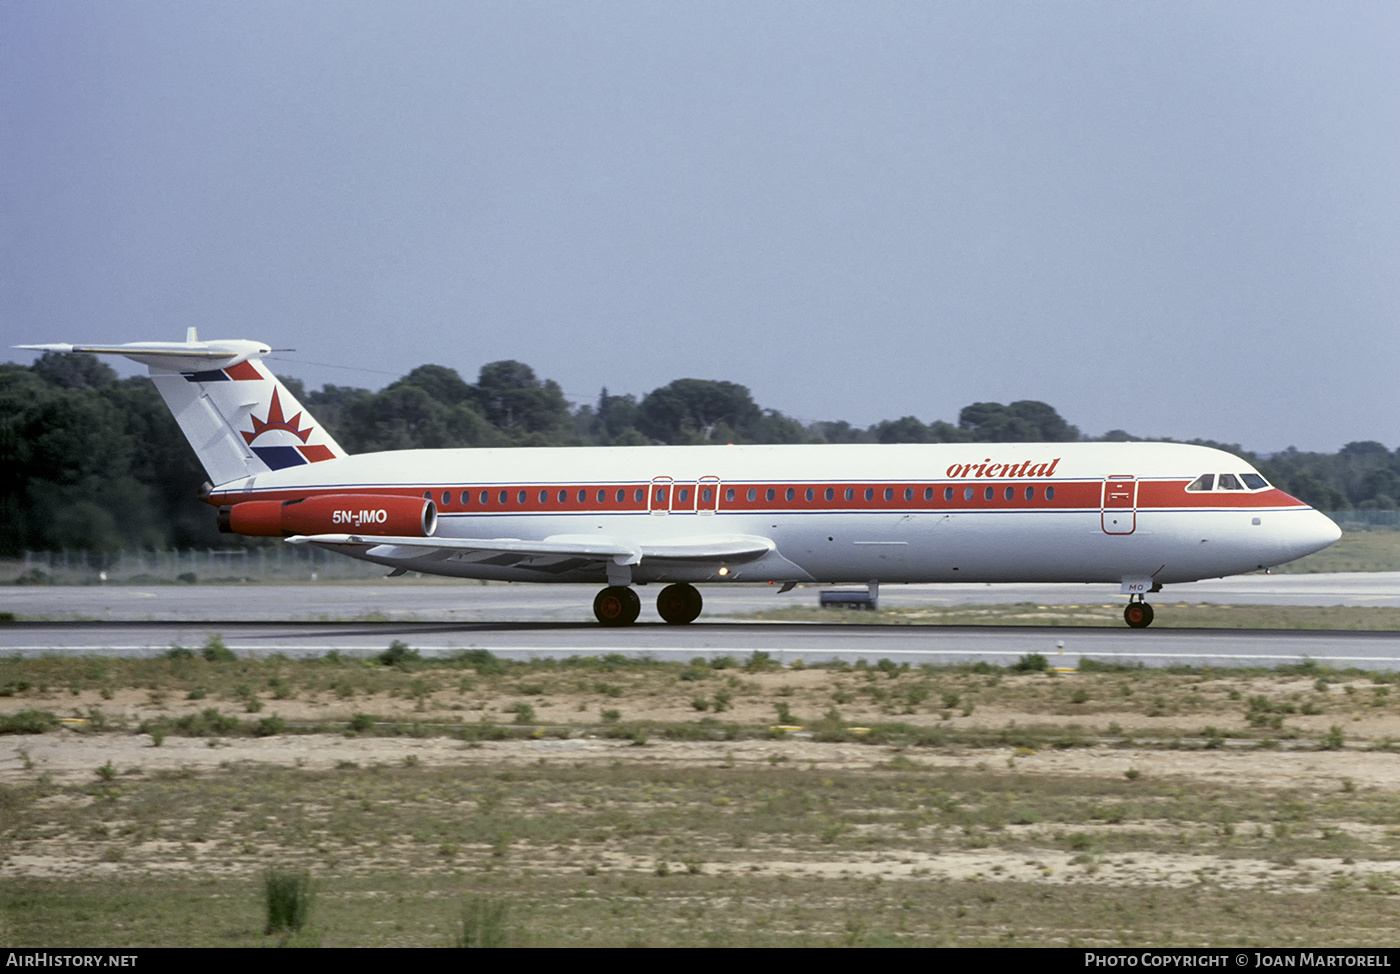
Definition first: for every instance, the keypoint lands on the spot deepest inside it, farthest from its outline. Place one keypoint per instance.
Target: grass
(1170, 615)
(1357, 551)
(938, 812)
(891, 852)
(482, 701)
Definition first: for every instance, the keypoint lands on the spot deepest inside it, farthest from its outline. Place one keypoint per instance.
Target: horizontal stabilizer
(187, 356)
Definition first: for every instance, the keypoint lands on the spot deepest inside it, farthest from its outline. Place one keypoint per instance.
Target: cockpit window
(1205, 481)
(1253, 481)
(1229, 481)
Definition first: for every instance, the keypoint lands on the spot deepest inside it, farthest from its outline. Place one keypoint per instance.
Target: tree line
(95, 462)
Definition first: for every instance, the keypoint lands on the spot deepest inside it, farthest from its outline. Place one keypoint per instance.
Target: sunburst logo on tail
(276, 421)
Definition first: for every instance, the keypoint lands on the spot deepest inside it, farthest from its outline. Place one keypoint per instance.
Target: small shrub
(1031, 663)
(288, 898)
(760, 662)
(483, 923)
(28, 722)
(398, 654)
(270, 726)
(216, 652)
(482, 660)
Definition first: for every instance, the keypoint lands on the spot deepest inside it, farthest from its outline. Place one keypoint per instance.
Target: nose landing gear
(1137, 613)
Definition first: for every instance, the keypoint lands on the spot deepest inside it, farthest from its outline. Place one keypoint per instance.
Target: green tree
(693, 410)
(1027, 421)
(512, 398)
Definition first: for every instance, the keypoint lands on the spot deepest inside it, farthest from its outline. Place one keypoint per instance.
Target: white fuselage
(1067, 512)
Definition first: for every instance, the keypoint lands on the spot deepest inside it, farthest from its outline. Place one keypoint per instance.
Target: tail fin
(240, 420)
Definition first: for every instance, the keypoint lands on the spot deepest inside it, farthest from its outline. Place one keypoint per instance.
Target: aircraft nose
(1313, 532)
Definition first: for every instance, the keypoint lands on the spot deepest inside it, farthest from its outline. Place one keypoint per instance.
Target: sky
(1177, 219)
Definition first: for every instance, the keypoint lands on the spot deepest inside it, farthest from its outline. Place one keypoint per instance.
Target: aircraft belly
(960, 547)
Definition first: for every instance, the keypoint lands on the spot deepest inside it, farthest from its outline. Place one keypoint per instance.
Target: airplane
(1141, 515)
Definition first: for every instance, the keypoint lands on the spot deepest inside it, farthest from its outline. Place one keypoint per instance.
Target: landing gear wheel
(679, 604)
(617, 605)
(1138, 615)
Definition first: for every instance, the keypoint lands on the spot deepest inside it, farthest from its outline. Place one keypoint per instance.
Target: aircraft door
(1119, 514)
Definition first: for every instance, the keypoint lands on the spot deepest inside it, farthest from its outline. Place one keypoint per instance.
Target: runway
(451, 601)
(1064, 646)
(518, 621)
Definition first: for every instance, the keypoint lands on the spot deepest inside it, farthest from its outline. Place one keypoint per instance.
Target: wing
(714, 548)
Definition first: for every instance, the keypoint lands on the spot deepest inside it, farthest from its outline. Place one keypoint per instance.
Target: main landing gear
(619, 605)
(1138, 613)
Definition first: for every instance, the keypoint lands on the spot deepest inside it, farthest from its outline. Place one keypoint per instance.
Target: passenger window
(967, 494)
(638, 495)
(947, 493)
(729, 494)
(928, 493)
(563, 497)
(706, 495)
(503, 497)
(870, 493)
(1010, 493)
(1030, 493)
(544, 497)
(811, 494)
(889, 493)
(1228, 482)
(685, 494)
(485, 497)
(988, 493)
(520, 497)
(753, 493)
(1253, 481)
(427, 495)
(582, 496)
(830, 493)
(602, 496)
(769, 494)
(466, 497)
(446, 497)
(1205, 481)
(1049, 493)
(850, 493)
(789, 494)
